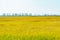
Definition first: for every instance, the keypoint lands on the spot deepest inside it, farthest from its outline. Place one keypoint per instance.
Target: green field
(30, 28)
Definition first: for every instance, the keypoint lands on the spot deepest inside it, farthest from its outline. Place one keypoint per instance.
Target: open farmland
(30, 28)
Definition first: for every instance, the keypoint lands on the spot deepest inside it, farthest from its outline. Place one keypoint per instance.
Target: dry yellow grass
(44, 25)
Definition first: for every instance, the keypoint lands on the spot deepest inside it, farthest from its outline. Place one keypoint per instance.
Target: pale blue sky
(30, 6)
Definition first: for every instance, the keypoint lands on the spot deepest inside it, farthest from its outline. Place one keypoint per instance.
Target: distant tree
(19, 14)
(4, 14)
(15, 14)
(26, 14)
(30, 14)
(45, 14)
(22, 14)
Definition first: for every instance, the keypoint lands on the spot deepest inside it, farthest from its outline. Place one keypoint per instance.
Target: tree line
(16, 14)
(25, 14)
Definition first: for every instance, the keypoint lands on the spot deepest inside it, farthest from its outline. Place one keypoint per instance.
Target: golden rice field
(30, 28)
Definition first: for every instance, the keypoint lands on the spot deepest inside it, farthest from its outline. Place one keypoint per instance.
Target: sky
(30, 6)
